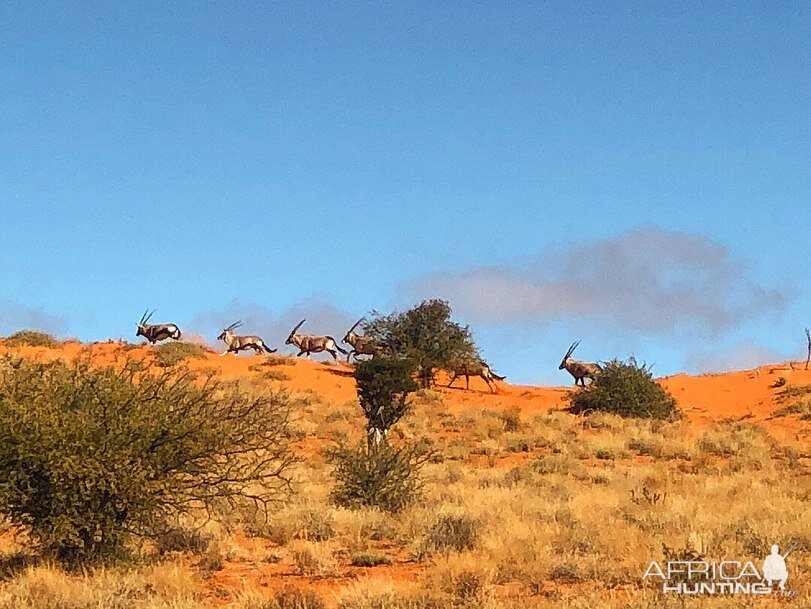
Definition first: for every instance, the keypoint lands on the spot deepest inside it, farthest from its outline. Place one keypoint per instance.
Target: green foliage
(31, 338)
(386, 477)
(626, 389)
(90, 456)
(426, 336)
(171, 354)
(383, 388)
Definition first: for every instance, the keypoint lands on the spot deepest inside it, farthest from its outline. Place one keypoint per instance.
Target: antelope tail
(496, 376)
(268, 349)
(337, 346)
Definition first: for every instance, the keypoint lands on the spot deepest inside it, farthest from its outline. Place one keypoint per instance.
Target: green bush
(171, 354)
(386, 477)
(384, 385)
(426, 336)
(31, 338)
(626, 389)
(90, 456)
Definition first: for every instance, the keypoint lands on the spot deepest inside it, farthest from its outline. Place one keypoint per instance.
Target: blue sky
(271, 160)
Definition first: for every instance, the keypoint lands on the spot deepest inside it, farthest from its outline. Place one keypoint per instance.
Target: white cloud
(647, 280)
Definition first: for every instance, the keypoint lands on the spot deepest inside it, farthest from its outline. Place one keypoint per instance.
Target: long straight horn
(143, 317)
(148, 317)
(571, 349)
(356, 325)
(298, 326)
(234, 325)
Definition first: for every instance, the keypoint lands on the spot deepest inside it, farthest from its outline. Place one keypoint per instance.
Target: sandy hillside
(739, 395)
(504, 455)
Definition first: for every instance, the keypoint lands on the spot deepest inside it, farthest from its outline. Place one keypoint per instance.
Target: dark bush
(626, 389)
(387, 477)
(90, 456)
(384, 385)
(31, 338)
(426, 336)
(171, 354)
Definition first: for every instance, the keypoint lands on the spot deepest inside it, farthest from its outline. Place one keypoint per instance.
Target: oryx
(155, 332)
(579, 370)
(475, 368)
(361, 345)
(307, 343)
(238, 343)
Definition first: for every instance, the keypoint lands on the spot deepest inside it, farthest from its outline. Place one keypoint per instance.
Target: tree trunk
(375, 437)
(808, 336)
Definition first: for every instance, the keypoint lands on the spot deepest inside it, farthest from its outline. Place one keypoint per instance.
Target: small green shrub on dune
(171, 354)
(32, 338)
(626, 389)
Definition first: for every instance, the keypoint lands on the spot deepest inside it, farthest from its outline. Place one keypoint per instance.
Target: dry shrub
(566, 572)
(295, 598)
(212, 559)
(314, 559)
(646, 445)
(182, 539)
(315, 525)
(464, 579)
(457, 532)
(511, 419)
(32, 338)
(749, 441)
(274, 360)
(172, 353)
(389, 600)
(384, 477)
(166, 586)
(369, 559)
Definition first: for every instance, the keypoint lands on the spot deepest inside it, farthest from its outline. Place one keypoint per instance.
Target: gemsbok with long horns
(307, 343)
(579, 370)
(155, 332)
(238, 343)
(361, 345)
(476, 368)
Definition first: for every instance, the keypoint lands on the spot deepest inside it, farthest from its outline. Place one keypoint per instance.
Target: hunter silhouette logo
(725, 577)
(774, 567)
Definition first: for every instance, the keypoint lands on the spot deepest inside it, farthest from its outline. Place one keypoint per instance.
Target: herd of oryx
(360, 345)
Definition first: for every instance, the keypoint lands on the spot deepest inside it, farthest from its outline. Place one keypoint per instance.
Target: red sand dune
(741, 395)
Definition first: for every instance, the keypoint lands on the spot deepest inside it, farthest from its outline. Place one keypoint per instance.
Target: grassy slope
(558, 503)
